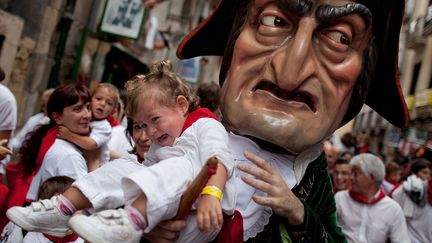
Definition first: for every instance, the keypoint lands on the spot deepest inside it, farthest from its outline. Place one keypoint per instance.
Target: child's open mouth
(163, 139)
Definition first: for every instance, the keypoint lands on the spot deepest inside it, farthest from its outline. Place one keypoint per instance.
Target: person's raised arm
(82, 141)
(209, 211)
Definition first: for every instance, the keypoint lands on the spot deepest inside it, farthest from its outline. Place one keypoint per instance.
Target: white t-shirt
(8, 117)
(62, 159)
(101, 134)
(374, 223)
(119, 142)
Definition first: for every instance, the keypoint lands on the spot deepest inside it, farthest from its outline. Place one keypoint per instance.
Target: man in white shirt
(364, 212)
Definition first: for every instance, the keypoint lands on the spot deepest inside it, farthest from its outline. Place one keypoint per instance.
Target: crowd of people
(255, 167)
(381, 197)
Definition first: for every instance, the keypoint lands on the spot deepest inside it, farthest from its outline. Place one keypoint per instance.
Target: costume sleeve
(213, 141)
(100, 132)
(320, 223)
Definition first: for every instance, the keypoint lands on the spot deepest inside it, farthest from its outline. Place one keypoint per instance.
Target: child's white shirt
(119, 142)
(101, 134)
(165, 181)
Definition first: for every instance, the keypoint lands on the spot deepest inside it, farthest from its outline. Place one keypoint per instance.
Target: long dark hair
(62, 97)
(129, 134)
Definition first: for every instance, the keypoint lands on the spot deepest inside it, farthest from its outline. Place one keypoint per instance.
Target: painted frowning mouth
(297, 96)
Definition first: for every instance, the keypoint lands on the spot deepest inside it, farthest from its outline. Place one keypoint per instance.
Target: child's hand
(4, 151)
(63, 133)
(209, 213)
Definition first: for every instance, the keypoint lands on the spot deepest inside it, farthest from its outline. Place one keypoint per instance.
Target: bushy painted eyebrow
(327, 13)
(299, 7)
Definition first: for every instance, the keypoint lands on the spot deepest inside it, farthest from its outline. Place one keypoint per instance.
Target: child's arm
(93, 158)
(84, 142)
(115, 154)
(209, 212)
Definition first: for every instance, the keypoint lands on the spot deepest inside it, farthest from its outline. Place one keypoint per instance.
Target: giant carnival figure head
(294, 71)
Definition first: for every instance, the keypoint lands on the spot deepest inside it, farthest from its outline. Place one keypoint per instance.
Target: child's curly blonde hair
(162, 85)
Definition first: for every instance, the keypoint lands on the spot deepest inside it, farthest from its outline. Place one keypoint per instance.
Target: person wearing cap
(365, 212)
(293, 72)
(8, 122)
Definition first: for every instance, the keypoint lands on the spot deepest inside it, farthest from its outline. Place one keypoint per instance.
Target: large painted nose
(294, 61)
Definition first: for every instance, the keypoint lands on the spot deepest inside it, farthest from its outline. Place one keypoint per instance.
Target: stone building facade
(51, 42)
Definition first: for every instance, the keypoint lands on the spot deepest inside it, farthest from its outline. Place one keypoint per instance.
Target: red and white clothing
(8, 118)
(418, 217)
(37, 237)
(101, 133)
(389, 186)
(102, 186)
(62, 159)
(14, 234)
(175, 167)
(371, 223)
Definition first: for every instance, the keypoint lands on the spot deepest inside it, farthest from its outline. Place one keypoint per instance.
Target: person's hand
(4, 151)
(166, 231)
(279, 197)
(209, 213)
(64, 133)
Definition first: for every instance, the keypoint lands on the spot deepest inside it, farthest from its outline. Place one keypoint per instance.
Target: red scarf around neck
(113, 121)
(47, 142)
(196, 115)
(68, 238)
(361, 199)
(393, 182)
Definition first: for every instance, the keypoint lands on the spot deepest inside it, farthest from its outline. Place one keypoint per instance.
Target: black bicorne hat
(384, 95)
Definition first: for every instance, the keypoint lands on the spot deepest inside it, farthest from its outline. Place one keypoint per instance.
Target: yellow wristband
(212, 191)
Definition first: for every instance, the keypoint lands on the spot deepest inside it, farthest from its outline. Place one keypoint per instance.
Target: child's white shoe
(106, 226)
(41, 216)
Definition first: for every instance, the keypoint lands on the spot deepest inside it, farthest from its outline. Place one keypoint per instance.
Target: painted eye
(339, 37)
(273, 21)
(273, 27)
